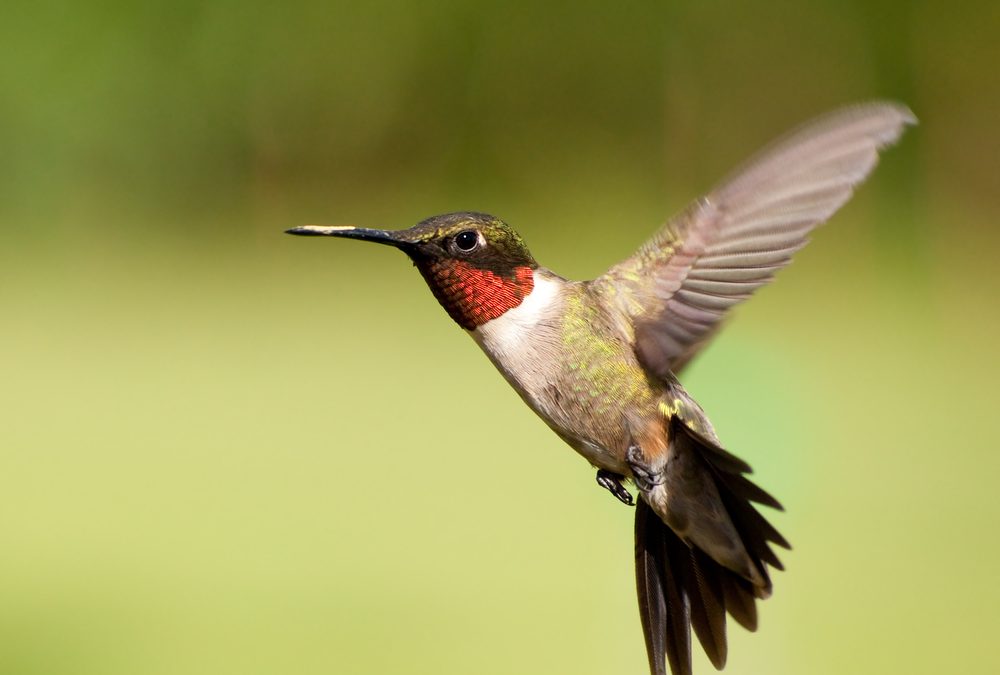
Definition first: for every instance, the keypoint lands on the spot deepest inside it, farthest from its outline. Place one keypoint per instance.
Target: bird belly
(569, 422)
(596, 432)
(598, 455)
(581, 383)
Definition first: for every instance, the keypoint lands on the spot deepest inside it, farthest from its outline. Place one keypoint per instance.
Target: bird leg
(612, 482)
(643, 474)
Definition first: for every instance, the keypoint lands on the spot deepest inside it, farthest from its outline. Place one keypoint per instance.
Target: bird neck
(472, 295)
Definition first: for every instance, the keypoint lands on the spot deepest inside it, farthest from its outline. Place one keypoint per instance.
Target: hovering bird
(597, 360)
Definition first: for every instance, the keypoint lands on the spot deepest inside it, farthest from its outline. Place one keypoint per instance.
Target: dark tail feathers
(681, 587)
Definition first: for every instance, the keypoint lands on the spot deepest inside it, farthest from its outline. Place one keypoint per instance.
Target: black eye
(466, 241)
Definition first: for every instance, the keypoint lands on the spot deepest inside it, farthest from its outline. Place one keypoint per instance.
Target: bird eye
(467, 241)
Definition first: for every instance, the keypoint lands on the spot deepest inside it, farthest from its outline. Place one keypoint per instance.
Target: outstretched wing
(726, 245)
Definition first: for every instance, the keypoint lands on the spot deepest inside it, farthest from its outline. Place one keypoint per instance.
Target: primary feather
(681, 283)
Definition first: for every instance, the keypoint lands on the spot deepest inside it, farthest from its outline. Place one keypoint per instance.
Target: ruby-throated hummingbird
(597, 360)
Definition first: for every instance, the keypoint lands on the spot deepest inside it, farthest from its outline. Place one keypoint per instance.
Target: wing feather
(682, 282)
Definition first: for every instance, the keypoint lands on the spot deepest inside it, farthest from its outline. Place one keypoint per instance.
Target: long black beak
(351, 232)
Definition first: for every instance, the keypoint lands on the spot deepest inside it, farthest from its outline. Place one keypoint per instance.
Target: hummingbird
(598, 360)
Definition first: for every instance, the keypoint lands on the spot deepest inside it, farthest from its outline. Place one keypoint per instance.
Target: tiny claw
(644, 476)
(612, 482)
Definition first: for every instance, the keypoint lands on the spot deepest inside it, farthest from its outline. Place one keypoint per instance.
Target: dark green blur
(228, 450)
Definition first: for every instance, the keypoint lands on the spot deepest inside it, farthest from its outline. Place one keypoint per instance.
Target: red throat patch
(473, 296)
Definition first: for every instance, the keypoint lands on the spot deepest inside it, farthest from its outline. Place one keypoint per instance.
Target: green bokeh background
(225, 450)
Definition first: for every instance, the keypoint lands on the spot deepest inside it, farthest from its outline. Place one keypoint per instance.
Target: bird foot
(645, 476)
(612, 482)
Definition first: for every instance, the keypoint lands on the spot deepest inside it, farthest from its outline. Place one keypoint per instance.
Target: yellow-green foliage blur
(226, 450)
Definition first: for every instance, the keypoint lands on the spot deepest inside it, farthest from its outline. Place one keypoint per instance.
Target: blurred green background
(225, 450)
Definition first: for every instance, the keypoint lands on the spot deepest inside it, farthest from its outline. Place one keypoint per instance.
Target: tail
(680, 586)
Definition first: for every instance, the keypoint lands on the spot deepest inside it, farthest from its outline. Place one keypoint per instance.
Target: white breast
(523, 342)
(516, 331)
(525, 345)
